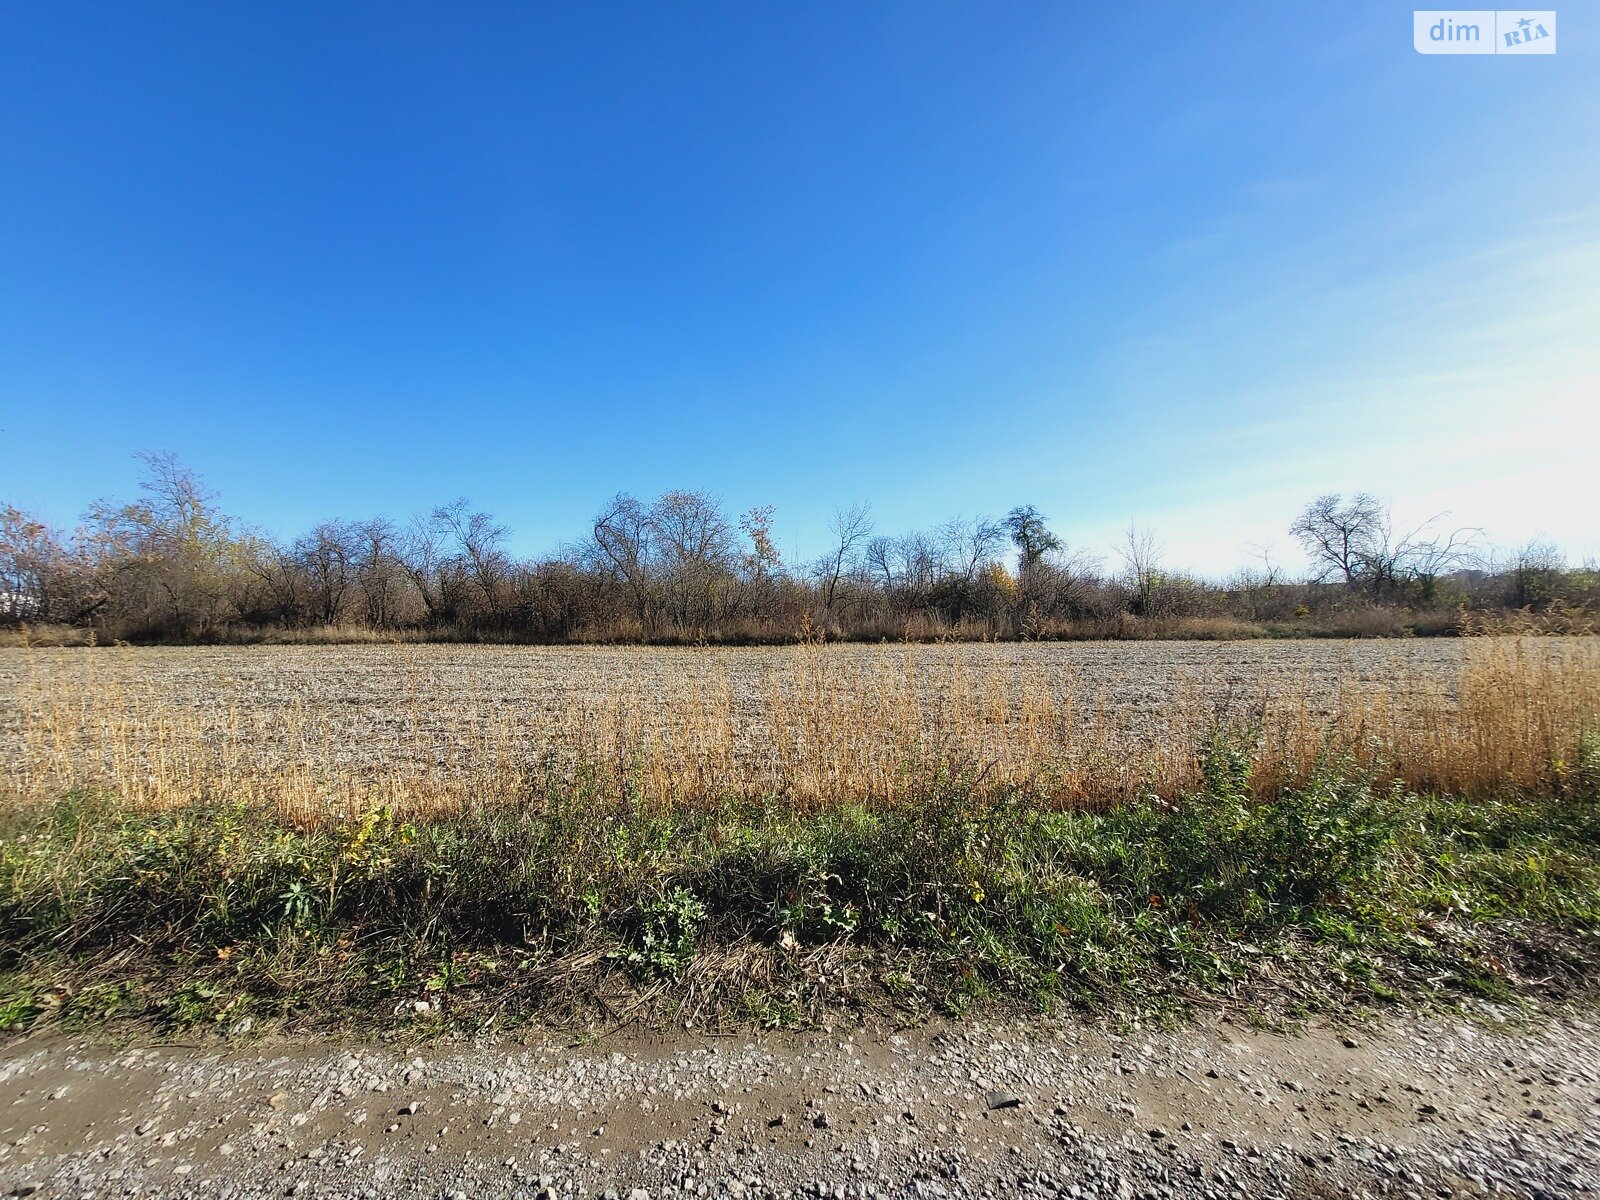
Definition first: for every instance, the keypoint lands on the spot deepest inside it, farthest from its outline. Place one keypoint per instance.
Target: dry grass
(1558, 619)
(29, 636)
(316, 731)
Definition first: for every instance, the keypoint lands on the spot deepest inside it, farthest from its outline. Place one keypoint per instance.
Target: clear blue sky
(1186, 263)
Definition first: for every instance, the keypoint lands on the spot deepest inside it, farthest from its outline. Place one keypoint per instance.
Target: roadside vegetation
(172, 566)
(1343, 888)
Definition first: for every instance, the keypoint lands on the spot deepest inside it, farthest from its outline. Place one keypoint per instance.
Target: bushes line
(172, 566)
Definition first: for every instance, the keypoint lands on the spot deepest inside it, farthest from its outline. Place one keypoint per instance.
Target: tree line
(171, 565)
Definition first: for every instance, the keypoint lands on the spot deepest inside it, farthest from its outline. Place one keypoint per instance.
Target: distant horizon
(1286, 556)
(1119, 265)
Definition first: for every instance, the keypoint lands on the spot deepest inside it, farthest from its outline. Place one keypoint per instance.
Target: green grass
(565, 903)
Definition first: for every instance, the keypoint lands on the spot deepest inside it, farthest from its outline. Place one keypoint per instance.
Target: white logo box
(1484, 31)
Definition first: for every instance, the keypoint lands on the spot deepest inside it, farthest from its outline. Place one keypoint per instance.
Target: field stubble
(319, 732)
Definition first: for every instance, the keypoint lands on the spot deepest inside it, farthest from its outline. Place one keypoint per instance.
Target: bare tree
(623, 541)
(1141, 558)
(850, 527)
(1356, 541)
(1341, 538)
(424, 554)
(970, 545)
(1259, 589)
(1062, 583)
(918, 566)
(172, 564)
(1271, 574)
(29, 550)
(1426, 553)
(280, 594)
(479, 549)
(175, 552)
(43, 576)
(879, 558)
(698, 554)
(325, 555)
(376, 568)
(1534, 574)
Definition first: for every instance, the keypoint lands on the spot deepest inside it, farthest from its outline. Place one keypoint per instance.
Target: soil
(1410, 1106)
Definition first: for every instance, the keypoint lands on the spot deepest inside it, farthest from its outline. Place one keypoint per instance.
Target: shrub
(658, 939)
(1223, 854)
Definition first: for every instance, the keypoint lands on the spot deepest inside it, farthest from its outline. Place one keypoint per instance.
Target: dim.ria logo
(1484, 31)
(1527, 31)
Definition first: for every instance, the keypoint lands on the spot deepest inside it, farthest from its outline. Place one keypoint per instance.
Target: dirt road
(1412, 1107)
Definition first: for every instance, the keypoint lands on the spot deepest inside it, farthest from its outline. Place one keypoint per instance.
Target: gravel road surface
(1412, 1107)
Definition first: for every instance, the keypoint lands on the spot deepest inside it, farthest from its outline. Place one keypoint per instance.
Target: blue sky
(1186, 264)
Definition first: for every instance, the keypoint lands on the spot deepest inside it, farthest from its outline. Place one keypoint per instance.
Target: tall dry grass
(814, 729)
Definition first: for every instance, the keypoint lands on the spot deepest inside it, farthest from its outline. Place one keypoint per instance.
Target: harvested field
(319, 728)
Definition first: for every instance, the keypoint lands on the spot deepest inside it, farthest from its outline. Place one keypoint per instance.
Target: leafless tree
(1271, 574)
(1063, 583)
(1534, 573)
(172, 564)
(278, 593)
(28, 552)
(918, 566)
(1141, 558)
(43, 575)
(326, 555)
(376, 568)
(850, 527)
(426, 555)
(879, 558)
(1341, 537)
(1426, 553)
(698, 554)
(1356, 541)
(624, 543)
(176, 554)
(478, 547)
(970, 545)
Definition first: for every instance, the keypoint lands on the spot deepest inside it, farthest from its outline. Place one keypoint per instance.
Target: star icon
(1525, 22)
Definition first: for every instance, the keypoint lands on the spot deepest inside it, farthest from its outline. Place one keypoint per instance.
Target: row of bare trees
(172, 565)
